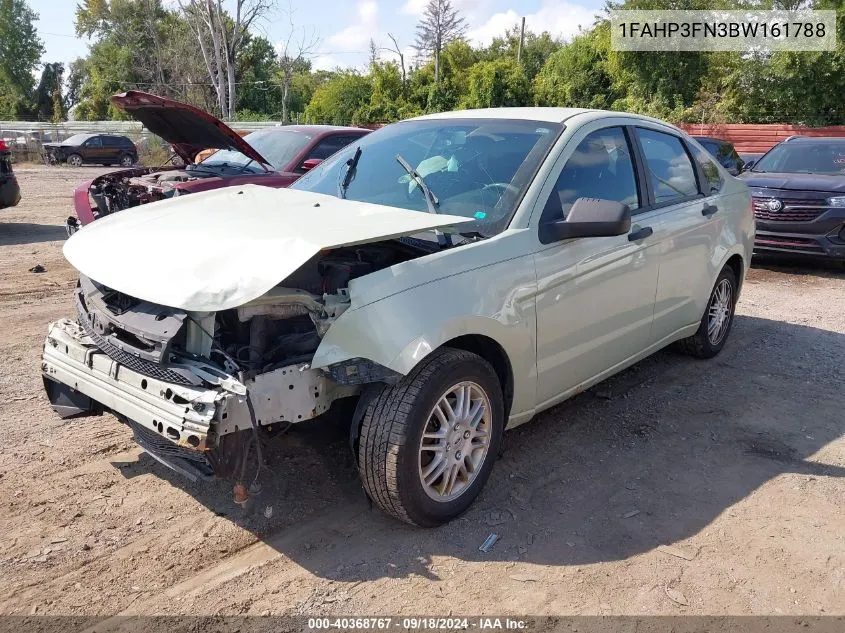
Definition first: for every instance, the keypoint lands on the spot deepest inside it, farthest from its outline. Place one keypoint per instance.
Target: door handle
(708, 210)
(640, 234)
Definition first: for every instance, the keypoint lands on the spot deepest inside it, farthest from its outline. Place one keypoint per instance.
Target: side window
(327, 147)
(94, 142)
(110, 141)
(600, 167)
(668, 166)
(711, 172)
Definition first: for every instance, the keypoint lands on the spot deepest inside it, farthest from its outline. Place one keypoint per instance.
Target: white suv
(457, 273)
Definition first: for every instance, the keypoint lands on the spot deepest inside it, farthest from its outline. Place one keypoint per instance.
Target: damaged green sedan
(456, 273)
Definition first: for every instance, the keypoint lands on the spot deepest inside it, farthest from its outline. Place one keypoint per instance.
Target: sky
(343, 29)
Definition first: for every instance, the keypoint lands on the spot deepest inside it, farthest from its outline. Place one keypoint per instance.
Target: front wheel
(717, 320)
(428, 443)
(74, 160)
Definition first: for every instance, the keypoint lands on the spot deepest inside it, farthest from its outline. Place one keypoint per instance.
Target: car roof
(552, 115)
(814, 139)
(314, 129)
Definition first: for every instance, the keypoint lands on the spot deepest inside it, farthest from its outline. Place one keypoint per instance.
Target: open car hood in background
(219, 249)
(188, 129)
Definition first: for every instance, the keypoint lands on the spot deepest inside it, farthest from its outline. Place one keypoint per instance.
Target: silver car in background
(456, 273)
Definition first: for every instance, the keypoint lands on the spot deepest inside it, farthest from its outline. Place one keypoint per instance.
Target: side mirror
(748, 164)
(589, 217)
(310, 163)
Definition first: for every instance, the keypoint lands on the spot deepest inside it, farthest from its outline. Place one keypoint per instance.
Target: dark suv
(104, 149)
(723, 152)
(798, 194)
(10, 192)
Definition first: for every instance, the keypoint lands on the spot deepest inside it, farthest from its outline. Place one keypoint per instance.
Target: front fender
(496, 301)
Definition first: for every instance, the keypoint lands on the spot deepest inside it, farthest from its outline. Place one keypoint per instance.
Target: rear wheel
(428, 444)
(717, 320)
(127, 161)
(74, 160)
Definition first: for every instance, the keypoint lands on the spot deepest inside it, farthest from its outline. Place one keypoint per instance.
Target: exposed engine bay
(282, 327)
(201, 391)
(125, 189)
(213, 385)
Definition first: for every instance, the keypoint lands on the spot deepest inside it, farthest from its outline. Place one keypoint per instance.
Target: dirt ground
(678, 487)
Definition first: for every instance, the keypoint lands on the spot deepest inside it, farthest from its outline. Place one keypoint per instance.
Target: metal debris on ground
(676, 596)
(630, 514)
(38, 268)
(523, 577)
(488, 544)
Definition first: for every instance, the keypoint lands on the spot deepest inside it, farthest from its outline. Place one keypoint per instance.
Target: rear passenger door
(686, 224)
(111, 148)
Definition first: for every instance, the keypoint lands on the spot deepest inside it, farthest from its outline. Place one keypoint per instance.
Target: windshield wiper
(245, 165)
(431, 200)
(351, 166)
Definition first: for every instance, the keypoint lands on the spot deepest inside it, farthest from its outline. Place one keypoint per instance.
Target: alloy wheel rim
(455, 441)
(75, 161)
(719, 312)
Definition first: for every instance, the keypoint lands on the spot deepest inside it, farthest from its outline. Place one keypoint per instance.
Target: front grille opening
(788, 243)
(139, 365)
(792, 209)
(132, 340)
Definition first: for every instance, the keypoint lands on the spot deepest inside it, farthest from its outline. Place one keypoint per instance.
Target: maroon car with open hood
(274, 157)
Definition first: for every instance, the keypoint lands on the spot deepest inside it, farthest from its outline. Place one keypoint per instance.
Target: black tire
(74, 160)
(392, 429)
(700, 344)
(127, 160)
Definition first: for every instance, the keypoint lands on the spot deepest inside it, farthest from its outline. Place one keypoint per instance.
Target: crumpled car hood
(219, 249)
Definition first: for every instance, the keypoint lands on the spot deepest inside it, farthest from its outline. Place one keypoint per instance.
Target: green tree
(257, 68)
(138, 44)
(536, 49)
(441, 23)
(20, 52)
(577, 75)
(497, 84)
(45, 94)
(337, 101)
(387, 101)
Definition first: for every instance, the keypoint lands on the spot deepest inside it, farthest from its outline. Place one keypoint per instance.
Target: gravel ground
(677, 487)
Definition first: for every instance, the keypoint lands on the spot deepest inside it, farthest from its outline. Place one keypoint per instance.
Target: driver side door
(595, 301)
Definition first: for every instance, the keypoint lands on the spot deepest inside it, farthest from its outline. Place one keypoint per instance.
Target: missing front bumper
(80, 378)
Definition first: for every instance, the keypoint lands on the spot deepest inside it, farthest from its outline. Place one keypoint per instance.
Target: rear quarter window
(713, 177)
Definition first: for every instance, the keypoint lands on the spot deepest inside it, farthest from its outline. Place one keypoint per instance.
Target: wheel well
(736, 265)
(494, 354)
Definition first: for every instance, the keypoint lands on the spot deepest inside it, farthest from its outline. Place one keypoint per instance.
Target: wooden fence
(754, 138)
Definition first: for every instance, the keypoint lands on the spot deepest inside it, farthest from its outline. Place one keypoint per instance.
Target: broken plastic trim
(360, 371)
